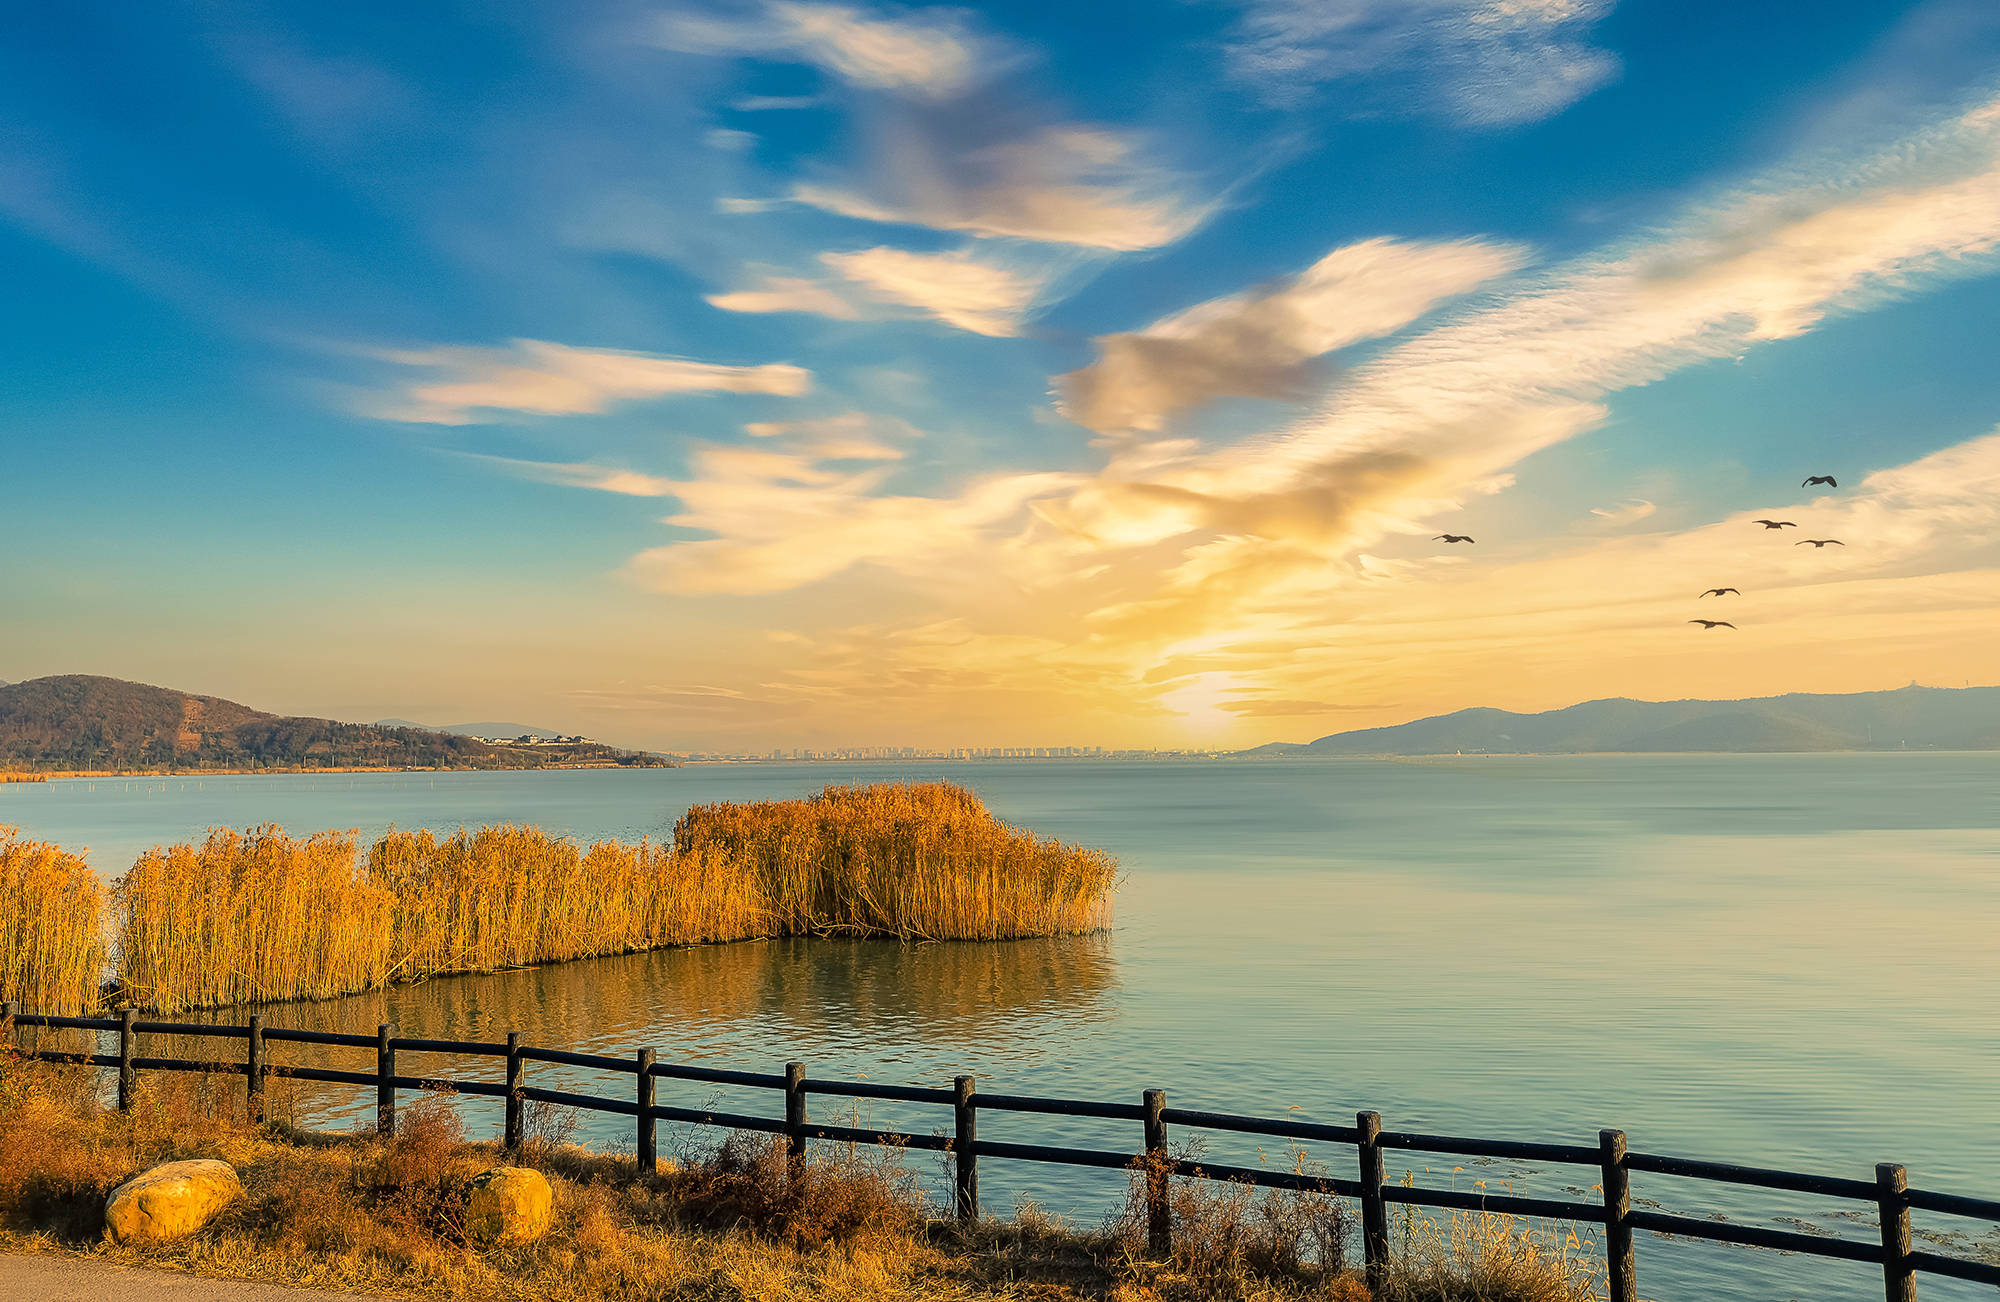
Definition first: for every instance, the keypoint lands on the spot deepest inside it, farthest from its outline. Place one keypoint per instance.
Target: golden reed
(51, 927)
(260, 916)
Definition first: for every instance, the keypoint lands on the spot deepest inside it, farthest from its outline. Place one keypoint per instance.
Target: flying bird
(1819, 542)
(1721, 592)
(1828, 480)
(1712, 623)
(1776, 524)
(1452, 538)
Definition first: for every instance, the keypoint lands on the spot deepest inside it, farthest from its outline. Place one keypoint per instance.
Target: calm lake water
(1774, 960)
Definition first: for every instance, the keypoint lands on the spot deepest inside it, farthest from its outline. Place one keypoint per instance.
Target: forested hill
(80, 723)
(1910, 718)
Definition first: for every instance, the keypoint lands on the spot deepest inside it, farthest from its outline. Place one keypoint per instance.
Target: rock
(169, 1201)
(508, 1206)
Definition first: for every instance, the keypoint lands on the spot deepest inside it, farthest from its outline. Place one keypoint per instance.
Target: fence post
(253, 1068)
(1899, 1281)
(962, 1145)
(1374, 1211)
(385, 1079)
(128, 1075)
(7, 1010)
(1159, 1215)
(517, 1080)
(649, 1148)
(795, 1112)
(1621, 1268)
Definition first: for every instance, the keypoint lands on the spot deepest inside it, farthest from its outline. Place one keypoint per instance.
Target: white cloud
(582, 474)
(1486, 63)
(929, 54)
(534, 376)
(783, 519)
(1253, 344)
(959, 288)
(1061, 185)
(788, 294)
(1617, 517)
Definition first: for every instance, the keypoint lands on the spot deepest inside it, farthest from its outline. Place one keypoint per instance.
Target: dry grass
(52, 949)
(260, 916)
(914, 860)
(512, 896)
(247, 918)
(365, 1213)
(1491, 1257)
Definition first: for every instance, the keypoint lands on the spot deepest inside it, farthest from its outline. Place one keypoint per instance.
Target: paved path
(74, 1279)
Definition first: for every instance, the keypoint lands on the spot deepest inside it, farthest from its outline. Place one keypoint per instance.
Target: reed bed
(259, 916)
(52, 950)
(247, 917)
(510, 896)
(920, 861)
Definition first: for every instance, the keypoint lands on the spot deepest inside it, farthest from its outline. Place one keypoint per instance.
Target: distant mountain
(506, 730)
(1912, 718)
(80, 723)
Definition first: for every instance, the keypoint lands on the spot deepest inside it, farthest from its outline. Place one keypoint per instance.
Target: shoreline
(30, 776)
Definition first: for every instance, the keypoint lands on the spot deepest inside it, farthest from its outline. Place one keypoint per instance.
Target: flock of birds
(1817, 544)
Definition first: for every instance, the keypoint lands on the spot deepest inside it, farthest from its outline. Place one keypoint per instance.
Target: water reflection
(914, 1011)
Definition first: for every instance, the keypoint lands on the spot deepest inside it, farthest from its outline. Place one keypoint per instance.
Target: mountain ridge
(1913, 717)
(85, 723)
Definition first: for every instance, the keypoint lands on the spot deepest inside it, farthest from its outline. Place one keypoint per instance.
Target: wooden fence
(1609, 1158)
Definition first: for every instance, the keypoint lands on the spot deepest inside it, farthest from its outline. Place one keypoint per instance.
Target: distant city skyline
(727, 376)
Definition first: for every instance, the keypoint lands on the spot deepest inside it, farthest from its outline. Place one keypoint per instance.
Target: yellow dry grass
(920, 861)
(249, 917)
(511, 896)
(260, 916)
(51, 927)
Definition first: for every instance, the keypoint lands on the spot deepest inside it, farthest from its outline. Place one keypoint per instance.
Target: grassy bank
(261, 916)
(358, 1212)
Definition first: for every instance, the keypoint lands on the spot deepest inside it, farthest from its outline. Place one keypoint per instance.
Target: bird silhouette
(1720, 592)
(1819, 542)
(1712, 623)
(1452, 538)
(1828, 480)
(1776, 524)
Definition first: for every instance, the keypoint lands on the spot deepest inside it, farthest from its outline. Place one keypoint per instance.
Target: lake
(1773, 960)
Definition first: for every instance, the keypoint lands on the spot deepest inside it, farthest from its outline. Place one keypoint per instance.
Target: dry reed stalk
(913, 860)
(51, 927)
(260, 916)
(250, 917)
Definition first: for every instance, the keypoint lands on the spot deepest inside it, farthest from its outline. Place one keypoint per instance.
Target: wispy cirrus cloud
(1617, 517)
(927, 53)
(1060, 184)
(1483, 63)
(1254, 344)
(461, 385)
(1230, 567)
(959, 287)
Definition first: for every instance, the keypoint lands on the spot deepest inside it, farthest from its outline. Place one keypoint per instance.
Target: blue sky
(786, 373)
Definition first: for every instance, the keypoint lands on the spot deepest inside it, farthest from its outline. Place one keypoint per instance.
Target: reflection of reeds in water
(913, 860)
(51, 926)
(753, 1006)
(248, 916)
(260, 916)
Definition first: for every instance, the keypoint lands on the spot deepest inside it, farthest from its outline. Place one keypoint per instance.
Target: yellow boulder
(508, 1206)
(169, 1201)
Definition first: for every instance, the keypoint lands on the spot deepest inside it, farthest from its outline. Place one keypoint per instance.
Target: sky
(770, 374)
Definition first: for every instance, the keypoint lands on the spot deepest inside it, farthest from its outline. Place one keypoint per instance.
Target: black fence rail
(1609, 1159)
